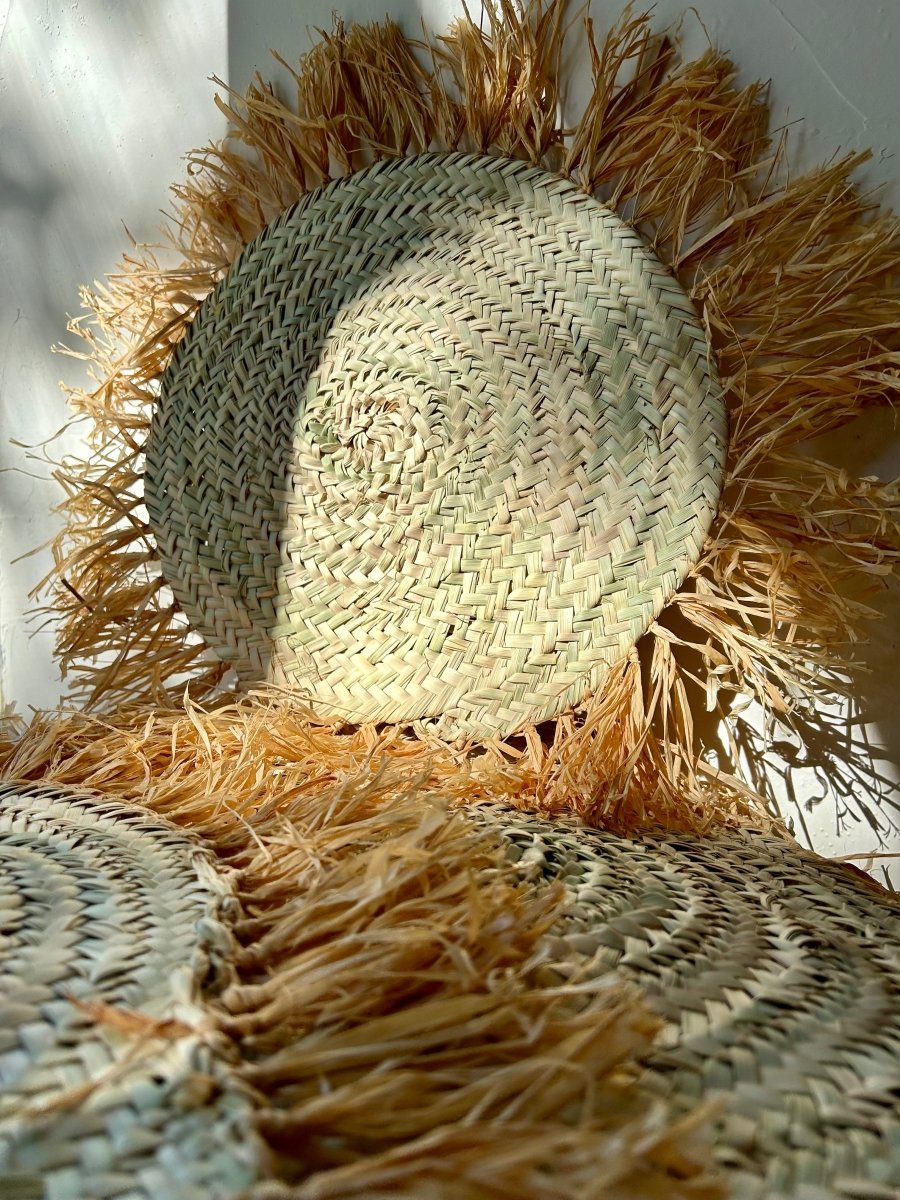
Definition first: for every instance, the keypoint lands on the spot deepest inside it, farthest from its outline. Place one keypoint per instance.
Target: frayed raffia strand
(396, 1015)
(796, 283)
(261, 741)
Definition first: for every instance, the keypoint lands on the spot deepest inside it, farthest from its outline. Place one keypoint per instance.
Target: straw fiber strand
(441, 445)
(112, 935)
(258, 746)
(449, 973)
(400, 967)
(778, 977)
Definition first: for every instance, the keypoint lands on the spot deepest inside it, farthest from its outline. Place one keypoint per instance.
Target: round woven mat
(778, 977)
(438, 448)
(100, 903)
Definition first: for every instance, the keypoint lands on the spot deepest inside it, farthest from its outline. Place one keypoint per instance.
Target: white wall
(100, 98)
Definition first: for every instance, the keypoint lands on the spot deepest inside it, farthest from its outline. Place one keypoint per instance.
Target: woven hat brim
(112, 934)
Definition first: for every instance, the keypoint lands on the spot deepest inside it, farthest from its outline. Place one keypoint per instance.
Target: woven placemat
(103, 905)
(438, 448)
(778, 976)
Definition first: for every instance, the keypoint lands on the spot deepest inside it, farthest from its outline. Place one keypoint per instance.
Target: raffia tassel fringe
(795, 282)
(397, 1019)
(265, 740)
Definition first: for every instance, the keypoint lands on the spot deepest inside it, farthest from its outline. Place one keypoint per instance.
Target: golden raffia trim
(397, 1016)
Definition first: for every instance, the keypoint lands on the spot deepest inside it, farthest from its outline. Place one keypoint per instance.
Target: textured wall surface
(101, 98)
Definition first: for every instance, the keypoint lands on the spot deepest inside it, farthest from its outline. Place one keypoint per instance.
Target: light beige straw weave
(103, 905)
(438, 448)
(778, 976)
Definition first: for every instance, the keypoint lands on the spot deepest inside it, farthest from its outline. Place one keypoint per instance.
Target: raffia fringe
(396, 1013)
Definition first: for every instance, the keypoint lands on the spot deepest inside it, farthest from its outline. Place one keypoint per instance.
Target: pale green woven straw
(101, 903)
(438, 448)
(778, 977)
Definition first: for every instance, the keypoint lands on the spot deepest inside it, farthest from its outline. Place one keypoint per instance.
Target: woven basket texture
(437, 449)
(778, 977)
(104, 904)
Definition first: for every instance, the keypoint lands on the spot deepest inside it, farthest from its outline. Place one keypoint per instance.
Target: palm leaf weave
(388, 999)
(106, 911)
(441, 445)
(793, 278)
(776, 977)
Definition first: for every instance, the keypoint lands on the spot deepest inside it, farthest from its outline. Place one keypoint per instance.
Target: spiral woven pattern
(438, 448)
(778, 976)
(99, 903)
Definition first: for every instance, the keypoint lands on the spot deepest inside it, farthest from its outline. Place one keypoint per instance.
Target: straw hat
(441, 445)
(435, 438)
(159, 1041)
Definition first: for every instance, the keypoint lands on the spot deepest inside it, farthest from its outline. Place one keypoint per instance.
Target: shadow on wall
(29, 193)
(290, 25)
(858, 751)
(31, 310)
(45, 232)
(99, 104)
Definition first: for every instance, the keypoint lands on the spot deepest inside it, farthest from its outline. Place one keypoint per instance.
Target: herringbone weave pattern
(438, 448)
(103, 904)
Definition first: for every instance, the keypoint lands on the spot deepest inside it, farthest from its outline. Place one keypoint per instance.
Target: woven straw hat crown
(438, 448)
